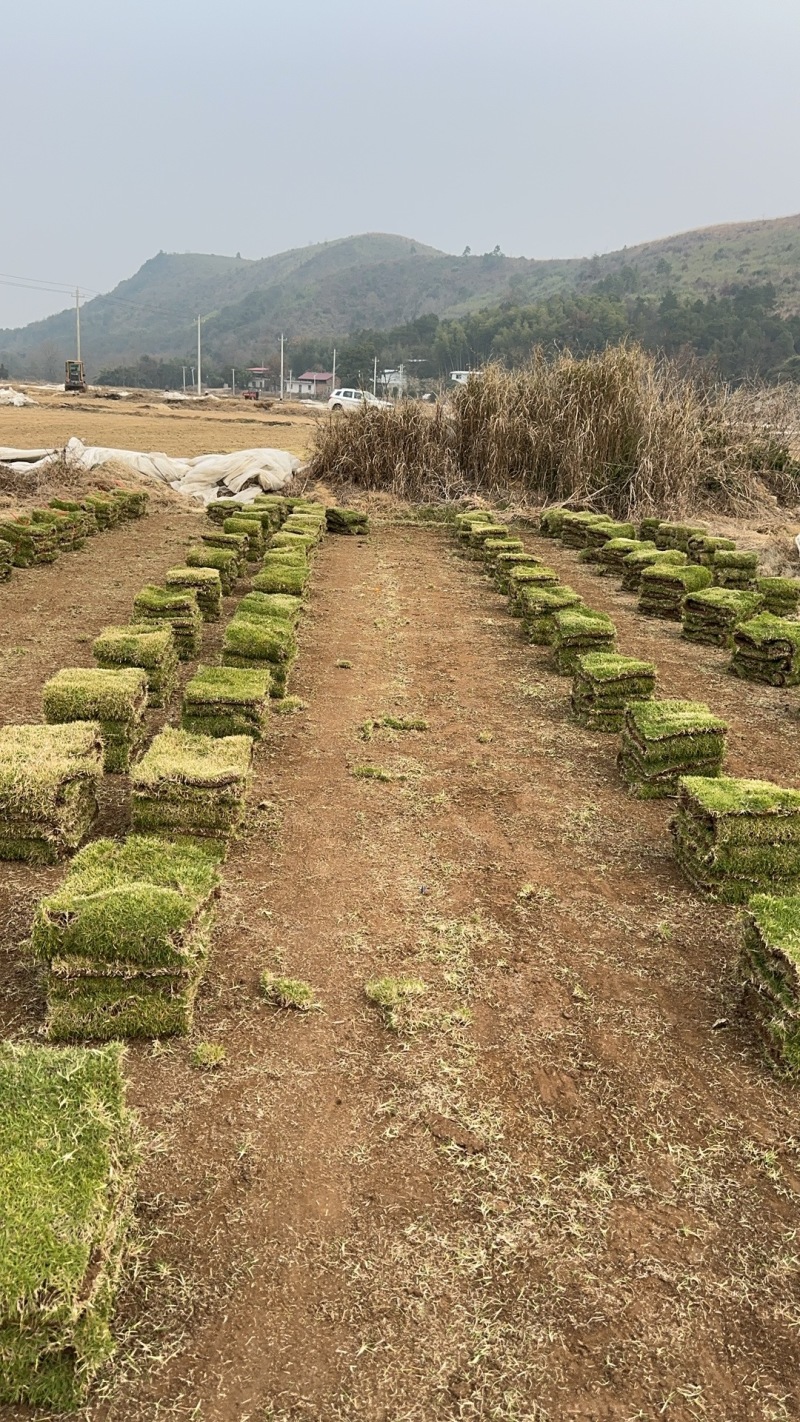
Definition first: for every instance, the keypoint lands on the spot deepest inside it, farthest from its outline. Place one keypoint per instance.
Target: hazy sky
(552, 127)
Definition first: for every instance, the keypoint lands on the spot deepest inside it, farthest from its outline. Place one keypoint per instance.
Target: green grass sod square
(115, 699)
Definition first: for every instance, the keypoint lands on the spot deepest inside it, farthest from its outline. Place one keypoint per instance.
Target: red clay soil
(560, 1182)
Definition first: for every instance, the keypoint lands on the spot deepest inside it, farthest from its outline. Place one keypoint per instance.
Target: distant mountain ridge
(378, 281)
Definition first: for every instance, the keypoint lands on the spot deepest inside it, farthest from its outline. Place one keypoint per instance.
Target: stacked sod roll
(115, 699)
(734, 568)
(767, 649)
(149, 646)
(178, 607)
(663, 588)
(638, 560)
(551, 522)
(28, 539)
(48, 789)
(227, 701)
(605, 684)
(225, 561)
(597, 535)
(712, 615)
(539, 606)
(346, 521)
(702, 547)
(735, 838)
(580, 630)
(68, 1160)
(770, 970)
(528, 575)
(781, 595)
(612, 555)
(505, 563)
(124, 940)
(191, 785)
(662, 741)
(677, 535)
(574, 527)
(205, 583)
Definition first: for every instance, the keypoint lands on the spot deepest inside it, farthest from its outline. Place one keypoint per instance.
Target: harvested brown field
(523, 1159)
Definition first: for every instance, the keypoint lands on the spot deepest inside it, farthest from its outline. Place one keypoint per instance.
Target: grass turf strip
(148, 646)
(227, 701)
(734, 838)
(664, 740)
(115, 699)
(189, 784)
(604, 684)
(48, 788)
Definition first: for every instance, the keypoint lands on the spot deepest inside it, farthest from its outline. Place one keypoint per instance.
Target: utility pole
(233, 381)
(375, 376)
(183, 368)
(199, 371)
(333, 377)
(192, 370)
(281, 364)
(78, 321)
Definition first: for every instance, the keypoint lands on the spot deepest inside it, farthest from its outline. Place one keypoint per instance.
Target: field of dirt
(563, 1183)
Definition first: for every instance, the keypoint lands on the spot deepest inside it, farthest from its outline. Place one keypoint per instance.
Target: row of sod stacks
(605, 684)
(574, 526)
(578, 631)
(207, 585)
(550, 522)
(612, 555)
(6, 560)
(339, 520)
(539, 606)
(68, 1161)
(64, 525)
(735, 838)
(149, 646)
(664, 586)
(89, 517)
(702, 548)
(48, 789)
(770, 969)
(712, 615)
(227, 701)
(225, 560)
(635, 563)
(767, 649)
(124, 940)
(31, 542)
(189, 784)
(179, 608)
(116, 700)
(469, 519)
(261, 635)
(676, 535)
(505, 563)
(528, 575)
(733, 568)
(781, 595)
(664, 740)
(597, 535)
(69, 528)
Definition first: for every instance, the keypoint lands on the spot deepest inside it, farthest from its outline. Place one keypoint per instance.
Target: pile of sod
(505, 563)
(647, 529)
(701, 547)
(145, 645)
(206, 583)
(599, 534)
(528, 575)
(605, 684)
(289, 540)
(276, 504)
(72, 506)
(339, 520)
(106, 509)
(48, 789)
(220, 509)
(283, 572)
(133, 501)
(224, 560)
(302, 527)
(68, 1161)
(6, 559)
(282, 606)
(664, 586)
(677, 535)
(69, 528)
(550, 522)
(712, 615)
(493, 547)
(610, 559)
(263, 642)
(179, 608)
(580, 630)
(664, 740)
(125, 938)
(734, 568)
(116, 700)
(480, 532)
(539, 608)
(767, 649)
(227, 701)
(634, 564)
(781, 595)
(249, 527)
(236, 543)
(189, 784)
(770, 969)
(32, 542)
(462, 522)
(574, 526)
(735, 838)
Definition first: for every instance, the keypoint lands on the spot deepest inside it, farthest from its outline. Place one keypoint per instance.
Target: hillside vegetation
(377, 282)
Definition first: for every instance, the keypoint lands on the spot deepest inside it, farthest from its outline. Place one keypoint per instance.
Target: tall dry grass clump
(621, 431)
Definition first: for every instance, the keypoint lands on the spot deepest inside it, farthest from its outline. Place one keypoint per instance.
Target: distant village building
(260, 377)
(313, 384)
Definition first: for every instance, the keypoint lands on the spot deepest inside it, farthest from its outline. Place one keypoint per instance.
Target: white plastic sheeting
(245, 473)
(14, 397)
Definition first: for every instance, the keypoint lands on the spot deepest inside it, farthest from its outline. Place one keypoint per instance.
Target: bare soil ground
(563, 1184)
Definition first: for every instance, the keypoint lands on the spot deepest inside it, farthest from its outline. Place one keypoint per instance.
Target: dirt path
(559, 1190)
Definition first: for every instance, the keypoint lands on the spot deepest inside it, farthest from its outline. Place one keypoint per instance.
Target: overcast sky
(555, 128)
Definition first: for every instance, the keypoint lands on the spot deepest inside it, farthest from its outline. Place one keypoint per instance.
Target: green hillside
(379, 281)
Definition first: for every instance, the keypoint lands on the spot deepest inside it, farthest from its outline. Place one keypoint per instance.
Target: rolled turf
(282, 606)
(528, 575)
(125, 937)
(148, 646)
(634, 564)
(734, 568)
(189, 784)
(612, 555)
(597, 535)
(227, 701)
(770, 969)
(605, 684)
(347, 521)
(677, 535)
(285, 576)
(68, 1161)
(261, 642)
(48, 789)
(734, 838)
(249, 528)
(664, 740)
(578, 631)
(504, 564)
(115, 699)
(551, 522)
(712, 614)
(781, 595)
(32, 542)
(574, 526)
(664, 587)
(178, 607)
(767, 649)
(225, 560)
(205, 582)
(701, 547)
(539, 607)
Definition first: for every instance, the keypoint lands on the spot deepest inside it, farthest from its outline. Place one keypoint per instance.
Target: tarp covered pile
(664, 740)
(735, 838)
